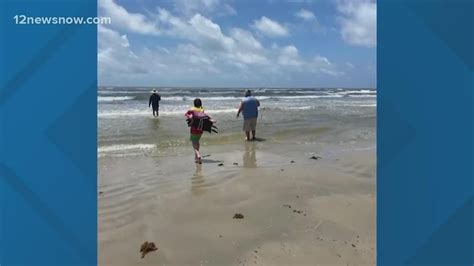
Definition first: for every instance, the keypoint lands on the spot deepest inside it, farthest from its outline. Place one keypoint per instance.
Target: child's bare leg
(197, 154)
(253, 134)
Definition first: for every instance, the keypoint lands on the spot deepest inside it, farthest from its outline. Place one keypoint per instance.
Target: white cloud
(321, 60)
(114, 54)
(289, 56)
(307, 21)
(198, 29)
(194, 55)
(209, 33)
(120, 17)
(239, 47)
(245, 39)
(358, 22)
(118, 64)
(227, 10)
(200, 48)
(289, 60)
(270, 27)
(247, 49)
(209, 7)
(305, 14)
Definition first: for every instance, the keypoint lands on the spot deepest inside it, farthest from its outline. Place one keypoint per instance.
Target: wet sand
(305, 212)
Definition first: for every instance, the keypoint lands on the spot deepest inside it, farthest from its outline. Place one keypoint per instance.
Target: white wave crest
(102, 99)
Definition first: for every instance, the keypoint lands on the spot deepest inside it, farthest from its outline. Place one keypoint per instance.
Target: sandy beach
(305, 212)
(296, 210)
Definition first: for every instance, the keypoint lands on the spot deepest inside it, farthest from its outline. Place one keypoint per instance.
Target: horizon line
(236, 87)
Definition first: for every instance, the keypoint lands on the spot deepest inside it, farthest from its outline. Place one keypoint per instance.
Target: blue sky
(238, 43)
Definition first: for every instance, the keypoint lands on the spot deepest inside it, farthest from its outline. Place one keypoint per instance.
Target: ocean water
(127, 127)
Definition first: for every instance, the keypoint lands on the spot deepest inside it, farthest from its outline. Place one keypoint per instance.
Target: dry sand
(187, 209)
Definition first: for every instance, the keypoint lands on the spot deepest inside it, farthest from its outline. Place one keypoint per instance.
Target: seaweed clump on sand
(147, 247)
(238, 216)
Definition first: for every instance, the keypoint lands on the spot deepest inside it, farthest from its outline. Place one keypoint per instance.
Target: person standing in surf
(154, 102)
(249, 109)
(197, 113)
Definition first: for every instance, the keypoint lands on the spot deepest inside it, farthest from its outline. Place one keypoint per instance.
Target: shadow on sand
(257, 140)
(211, 161)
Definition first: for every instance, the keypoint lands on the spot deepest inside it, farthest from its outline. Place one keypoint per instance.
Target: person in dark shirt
(154, 102)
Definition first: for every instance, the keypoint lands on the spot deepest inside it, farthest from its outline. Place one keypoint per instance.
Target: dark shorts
(155, 107)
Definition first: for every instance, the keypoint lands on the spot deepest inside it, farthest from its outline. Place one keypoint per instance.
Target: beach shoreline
(187, 209)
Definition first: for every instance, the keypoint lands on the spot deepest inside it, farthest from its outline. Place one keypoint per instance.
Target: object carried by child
(199, 122)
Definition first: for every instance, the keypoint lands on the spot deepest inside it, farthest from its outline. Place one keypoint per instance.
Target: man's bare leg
(253, 134)
(247, 135)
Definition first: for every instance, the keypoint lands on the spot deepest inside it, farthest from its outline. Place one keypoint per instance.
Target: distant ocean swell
(110, 99)
(127, 128)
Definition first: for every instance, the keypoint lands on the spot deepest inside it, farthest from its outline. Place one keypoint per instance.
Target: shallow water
(127, 128)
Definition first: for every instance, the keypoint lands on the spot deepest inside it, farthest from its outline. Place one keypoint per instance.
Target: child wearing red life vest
(196, 132)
